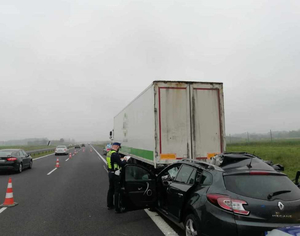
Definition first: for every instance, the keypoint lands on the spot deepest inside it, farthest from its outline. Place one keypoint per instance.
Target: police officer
(114, 163)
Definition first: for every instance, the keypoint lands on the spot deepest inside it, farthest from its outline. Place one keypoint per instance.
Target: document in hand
(128, 157)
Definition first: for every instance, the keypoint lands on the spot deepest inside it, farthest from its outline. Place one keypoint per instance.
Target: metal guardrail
(40, 151)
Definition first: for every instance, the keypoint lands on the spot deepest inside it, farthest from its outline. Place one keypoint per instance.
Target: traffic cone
(70, 155)
(9, 198)
(57, 163)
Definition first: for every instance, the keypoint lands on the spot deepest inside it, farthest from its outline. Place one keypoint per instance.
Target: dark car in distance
(15, 159)
(77, 146)
(242, 196)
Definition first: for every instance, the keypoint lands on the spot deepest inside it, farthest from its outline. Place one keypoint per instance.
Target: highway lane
(167, 226)
(69, 201)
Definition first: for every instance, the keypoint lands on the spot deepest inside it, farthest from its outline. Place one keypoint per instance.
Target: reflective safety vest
(108, 160)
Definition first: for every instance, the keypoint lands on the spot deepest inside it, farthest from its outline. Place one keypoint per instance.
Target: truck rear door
(189, 120)
(173, 121)
(207, 119)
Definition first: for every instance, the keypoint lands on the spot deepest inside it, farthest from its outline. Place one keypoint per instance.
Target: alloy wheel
(20, 168)
(190, 229)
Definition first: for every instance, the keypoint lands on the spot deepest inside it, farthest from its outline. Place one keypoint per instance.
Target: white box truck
(172, 120)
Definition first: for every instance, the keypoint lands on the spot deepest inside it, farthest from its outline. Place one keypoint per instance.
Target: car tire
(192, 226)
(30, 164)
(20, 169)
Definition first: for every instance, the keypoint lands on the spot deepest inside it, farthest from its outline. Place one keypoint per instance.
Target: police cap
(117, 143)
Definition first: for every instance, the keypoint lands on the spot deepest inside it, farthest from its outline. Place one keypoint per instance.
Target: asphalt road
(69, 201)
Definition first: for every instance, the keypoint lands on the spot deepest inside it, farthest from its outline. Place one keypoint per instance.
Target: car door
(26, 158)
(23, 158)
(139, 188)
(165, 178)
(17, 154)
(178, 189)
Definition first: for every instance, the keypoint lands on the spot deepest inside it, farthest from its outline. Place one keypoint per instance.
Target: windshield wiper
(277, 193)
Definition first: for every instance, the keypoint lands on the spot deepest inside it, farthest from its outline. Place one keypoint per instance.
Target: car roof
(10, 150)
(238, 162)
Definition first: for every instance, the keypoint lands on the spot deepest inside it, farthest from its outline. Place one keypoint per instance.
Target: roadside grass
(285, 152)
(36, 155)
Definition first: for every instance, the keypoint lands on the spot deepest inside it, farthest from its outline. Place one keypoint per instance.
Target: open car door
(139, 188)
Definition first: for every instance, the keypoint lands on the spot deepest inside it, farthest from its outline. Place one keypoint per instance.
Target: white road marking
(43, 157)
(105, 169)
(99, 155)
(67, 159)
(52, 171)
(160, 223)
(2, 209)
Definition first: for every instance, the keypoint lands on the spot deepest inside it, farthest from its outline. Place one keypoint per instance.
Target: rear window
(61, 147)
(5, 153)
(260, 186)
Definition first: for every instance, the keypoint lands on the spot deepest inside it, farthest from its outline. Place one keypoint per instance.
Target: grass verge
(285, 152)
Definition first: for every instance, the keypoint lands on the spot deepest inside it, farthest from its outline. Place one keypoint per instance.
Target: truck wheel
(192, 226)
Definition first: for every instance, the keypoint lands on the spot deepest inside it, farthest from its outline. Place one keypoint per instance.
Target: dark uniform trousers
(117, 186)
(111, 189)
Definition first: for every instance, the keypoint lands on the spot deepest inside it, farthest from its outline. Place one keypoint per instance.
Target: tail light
(229, 204)
(12, 159)
(65, 149)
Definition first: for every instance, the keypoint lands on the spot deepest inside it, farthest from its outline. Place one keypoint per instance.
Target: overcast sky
(68, 67)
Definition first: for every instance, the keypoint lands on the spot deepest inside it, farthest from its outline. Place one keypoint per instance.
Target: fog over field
(68, 67)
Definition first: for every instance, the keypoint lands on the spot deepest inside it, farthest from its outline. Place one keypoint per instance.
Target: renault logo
(280, 205)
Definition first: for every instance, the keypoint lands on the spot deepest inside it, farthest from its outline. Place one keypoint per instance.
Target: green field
(285, 152)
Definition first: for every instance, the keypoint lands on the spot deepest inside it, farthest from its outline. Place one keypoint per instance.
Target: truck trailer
(172, 120)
